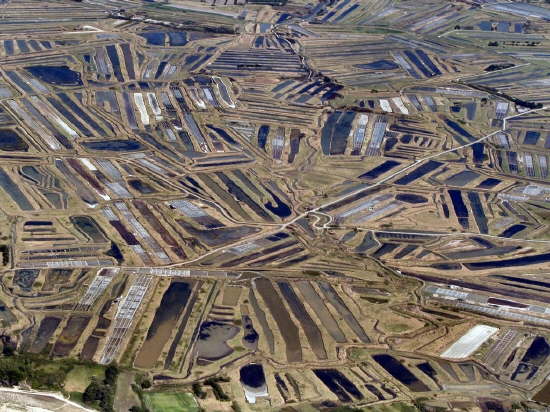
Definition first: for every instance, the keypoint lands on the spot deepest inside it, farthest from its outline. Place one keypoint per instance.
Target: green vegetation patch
(170, 402)
(393, 407)
(81, 376)
(38, 372)
(100, 393)
(397, 327)
(357, 354)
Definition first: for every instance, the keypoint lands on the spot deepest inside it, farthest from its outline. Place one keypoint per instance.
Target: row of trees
(101, 393)
(30, 369)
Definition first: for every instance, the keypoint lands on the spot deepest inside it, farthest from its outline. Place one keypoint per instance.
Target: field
(393, 407)
(79, 377)
(125, 396)
(170, 402)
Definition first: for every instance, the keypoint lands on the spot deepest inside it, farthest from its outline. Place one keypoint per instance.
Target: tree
(197, 390)
(8, 350)
(13, 371)
(99, 394)
(90, 395)
(111, 373)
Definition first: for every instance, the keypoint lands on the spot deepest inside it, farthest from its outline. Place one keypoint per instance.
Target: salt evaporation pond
(10, 141)
(58, 75)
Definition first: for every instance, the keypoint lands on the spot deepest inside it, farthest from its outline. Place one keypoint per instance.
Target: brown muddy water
(212, 343)
(286, 326)
(45, 331)
(70, 335)
(317, 304)
(171, 306)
